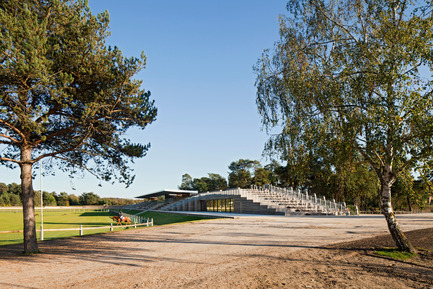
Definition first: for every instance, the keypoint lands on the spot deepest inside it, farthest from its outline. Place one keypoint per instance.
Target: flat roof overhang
(185, 193)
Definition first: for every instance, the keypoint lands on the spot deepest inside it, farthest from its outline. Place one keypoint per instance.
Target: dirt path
(246, 252)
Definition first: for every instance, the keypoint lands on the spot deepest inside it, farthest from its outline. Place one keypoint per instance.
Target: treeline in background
(10, 196)
(355, 184)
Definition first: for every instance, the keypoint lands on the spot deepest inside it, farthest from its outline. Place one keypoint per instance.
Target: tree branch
(13, 128)
(9, 138)
(9, 160)
(75, 163)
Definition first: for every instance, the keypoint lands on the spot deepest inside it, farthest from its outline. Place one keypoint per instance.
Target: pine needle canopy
(64, 94)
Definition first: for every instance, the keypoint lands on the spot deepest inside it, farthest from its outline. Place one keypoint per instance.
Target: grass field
(59, 219)
(164, 218)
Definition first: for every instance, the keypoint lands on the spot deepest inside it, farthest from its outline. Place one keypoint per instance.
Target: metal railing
(285, 200)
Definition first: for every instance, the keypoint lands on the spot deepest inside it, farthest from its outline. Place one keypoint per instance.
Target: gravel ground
(245, 252)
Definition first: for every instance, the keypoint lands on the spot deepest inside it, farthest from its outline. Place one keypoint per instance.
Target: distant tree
(62, 199)
(5, 199)
(240, 179)
(285, 175)
(201, 184)
(3, 188)
(263, 177)
(37, 198)
(214, 182)
(14, 188)
(187, 183)
(118, 201)
(356, 183)
(241, 172)
(64, 95)
(89, 199)
(73, 200)
(9, 199)
(49, 199)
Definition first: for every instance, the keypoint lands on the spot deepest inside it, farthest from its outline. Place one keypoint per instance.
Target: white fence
(149, 222)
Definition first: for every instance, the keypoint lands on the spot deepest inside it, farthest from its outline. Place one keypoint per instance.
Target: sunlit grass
(73, 218)
(394, 253)
(164, 218)
(54, 219)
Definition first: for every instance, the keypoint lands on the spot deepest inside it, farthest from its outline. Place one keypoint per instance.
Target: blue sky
(200, 56)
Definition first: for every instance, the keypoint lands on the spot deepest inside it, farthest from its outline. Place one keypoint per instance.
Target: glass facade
(223, 205)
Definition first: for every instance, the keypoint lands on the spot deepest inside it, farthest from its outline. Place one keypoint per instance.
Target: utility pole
(42, 203)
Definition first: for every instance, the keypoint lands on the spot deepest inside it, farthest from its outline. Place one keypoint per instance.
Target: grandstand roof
(185, 193)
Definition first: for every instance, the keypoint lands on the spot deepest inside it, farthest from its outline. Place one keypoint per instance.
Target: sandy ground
(245, 252)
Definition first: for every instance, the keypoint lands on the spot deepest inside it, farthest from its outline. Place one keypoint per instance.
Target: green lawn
(164, 218)
(53, 219)
(58, 219)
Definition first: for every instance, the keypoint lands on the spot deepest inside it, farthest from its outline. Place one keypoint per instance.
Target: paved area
(184, 255)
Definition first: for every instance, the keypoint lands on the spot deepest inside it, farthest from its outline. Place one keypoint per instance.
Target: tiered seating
(143, 206)
(280, 200)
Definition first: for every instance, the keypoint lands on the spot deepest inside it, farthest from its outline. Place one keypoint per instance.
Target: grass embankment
(164, 218)
(60, 219)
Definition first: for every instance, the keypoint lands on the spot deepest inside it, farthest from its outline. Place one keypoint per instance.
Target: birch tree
(357, 74)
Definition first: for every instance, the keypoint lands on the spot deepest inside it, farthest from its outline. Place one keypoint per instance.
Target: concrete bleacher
(143, 206)
(268, 200)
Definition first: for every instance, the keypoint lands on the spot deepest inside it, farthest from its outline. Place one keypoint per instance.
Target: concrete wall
(241, 205)
(244, 206)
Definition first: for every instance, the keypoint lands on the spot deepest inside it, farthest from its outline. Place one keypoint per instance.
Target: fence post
(135, 225)
(151, 222)
(42, 232)
(81, 230)
(111, 227)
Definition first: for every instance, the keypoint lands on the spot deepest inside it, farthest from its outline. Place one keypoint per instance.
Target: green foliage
(10, 194)
(351, 78)
(49, 199)
(187, 183)
(354, 182)
(89, 199)
(9, 199)
(394, 253)
(12, 198)
(73, 200)
(62, 199)
(214, 182)
(347, 79)
(240, 175)
(263, 177)
(240, 179)
(64, 94)
(3, 188)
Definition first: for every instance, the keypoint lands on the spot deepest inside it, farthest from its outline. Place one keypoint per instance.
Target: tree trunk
(397, 234)
(30, 241)
(409, 204)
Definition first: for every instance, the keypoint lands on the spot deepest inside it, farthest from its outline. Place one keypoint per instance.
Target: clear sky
(200, 56)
